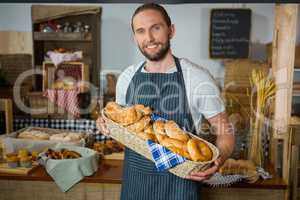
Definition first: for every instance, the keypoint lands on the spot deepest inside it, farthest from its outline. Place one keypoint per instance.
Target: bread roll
(198, 150)
(173, 131)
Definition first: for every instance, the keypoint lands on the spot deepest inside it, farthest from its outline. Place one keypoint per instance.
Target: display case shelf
(61, 36)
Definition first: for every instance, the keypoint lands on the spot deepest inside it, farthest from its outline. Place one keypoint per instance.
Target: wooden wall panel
(13, 42)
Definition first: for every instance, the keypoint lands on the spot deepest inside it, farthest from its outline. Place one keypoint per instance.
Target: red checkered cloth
(66, 99)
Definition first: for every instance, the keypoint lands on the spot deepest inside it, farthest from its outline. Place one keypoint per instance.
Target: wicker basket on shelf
(38, 101)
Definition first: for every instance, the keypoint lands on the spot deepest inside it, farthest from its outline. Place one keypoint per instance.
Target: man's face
(152, 34)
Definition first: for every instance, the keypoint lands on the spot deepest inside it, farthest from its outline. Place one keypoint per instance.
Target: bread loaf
(241, 167)
(159, 130)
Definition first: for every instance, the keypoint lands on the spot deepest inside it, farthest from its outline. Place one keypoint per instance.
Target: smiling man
(176, 89)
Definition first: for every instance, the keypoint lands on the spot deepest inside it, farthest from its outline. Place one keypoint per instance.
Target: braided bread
(173, 131)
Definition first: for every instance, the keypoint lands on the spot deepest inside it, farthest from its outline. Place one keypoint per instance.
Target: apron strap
(177, 63)
(142, 65)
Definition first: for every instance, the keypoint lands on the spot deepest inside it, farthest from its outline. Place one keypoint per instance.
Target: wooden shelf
(61, 36)
(296, 93)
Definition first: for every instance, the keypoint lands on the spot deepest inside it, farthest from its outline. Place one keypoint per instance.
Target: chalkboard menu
(229, 33)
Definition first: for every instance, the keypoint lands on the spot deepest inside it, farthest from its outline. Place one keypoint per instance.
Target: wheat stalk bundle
(265, 89)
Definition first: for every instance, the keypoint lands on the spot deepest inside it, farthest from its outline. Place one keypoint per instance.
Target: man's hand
(100, 123)
(201, 176)
(225, 143)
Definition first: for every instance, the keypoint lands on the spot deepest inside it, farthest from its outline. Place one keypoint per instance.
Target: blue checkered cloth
(163, 157)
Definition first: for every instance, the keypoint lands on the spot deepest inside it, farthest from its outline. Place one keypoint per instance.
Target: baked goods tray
(132, 141)
(12, 143)
(4, 168)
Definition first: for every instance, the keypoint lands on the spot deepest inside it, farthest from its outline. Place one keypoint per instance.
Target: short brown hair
(152, 6)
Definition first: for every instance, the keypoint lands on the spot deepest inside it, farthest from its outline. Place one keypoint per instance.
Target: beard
(158, 55)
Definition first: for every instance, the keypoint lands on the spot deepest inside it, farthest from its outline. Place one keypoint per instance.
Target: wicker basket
(38, 101)
(140, 146)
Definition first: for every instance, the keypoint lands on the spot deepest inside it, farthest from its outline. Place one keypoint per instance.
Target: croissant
(124, 116)
(144, 110)
(140, 125)
(62, 154)
(70, 155)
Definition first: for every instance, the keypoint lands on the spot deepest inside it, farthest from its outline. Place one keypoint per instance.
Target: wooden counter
(106, 184)
(110, 171)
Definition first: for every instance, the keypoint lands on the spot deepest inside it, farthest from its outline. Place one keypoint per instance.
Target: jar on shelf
(78, 27)
(87, 28)
(67, 27)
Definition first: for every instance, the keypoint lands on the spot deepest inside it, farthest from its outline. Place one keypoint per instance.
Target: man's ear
(172, 31)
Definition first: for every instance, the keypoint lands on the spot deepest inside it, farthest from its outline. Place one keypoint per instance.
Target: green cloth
(66, 173)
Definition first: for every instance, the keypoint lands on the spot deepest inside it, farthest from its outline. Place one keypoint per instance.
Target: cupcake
(12, 160)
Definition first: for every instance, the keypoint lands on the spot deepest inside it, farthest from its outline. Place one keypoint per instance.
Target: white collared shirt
(203, 95)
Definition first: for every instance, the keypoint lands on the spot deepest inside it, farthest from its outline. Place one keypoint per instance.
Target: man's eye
(140, 31)
(156, 27)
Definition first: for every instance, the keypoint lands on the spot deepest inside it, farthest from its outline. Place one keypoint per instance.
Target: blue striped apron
(165, 93)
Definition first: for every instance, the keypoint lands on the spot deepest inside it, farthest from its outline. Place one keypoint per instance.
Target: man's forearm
(225, 143)
(225, 135)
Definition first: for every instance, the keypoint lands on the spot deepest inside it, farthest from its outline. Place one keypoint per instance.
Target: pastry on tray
(62, 154)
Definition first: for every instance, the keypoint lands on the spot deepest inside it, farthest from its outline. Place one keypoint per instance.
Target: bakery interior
(59, 65)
